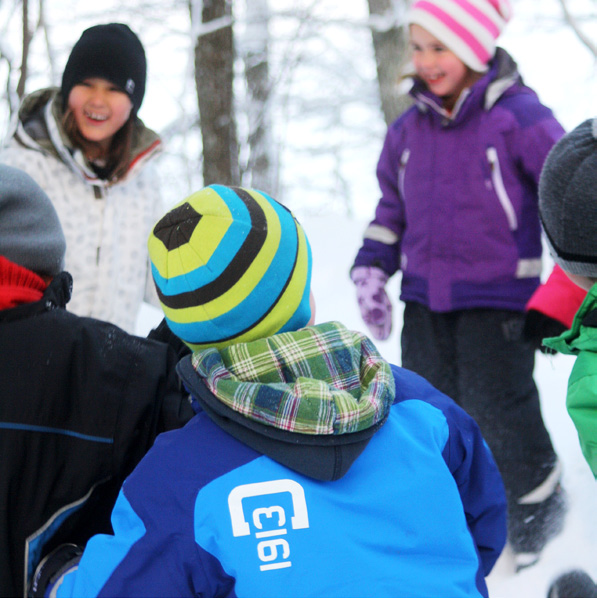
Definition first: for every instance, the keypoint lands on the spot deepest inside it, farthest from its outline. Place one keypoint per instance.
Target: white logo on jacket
(273, 551)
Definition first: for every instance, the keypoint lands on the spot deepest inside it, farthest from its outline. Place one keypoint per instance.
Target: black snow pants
(479, 358)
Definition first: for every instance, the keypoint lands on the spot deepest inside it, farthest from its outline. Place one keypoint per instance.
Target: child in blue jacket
(312, 467)
(458, 216)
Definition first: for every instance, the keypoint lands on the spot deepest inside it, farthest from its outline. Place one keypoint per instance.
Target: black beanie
(112, 52)
(568, 200)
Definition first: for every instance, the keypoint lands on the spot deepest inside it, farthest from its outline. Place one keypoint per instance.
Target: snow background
(552, 61)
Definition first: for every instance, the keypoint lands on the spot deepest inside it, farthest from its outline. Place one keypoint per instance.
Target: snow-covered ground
(334, 241)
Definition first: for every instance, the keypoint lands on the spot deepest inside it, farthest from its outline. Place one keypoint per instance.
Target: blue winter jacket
(421, 511)
(458, 212)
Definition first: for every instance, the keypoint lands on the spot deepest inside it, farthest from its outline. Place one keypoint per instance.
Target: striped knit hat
(230, 265)
(469, 28)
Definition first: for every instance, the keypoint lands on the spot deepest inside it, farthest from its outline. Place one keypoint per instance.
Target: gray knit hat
(568, 200)
(30, 232)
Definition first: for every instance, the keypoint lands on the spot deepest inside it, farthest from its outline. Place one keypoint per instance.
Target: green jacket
(581, 402)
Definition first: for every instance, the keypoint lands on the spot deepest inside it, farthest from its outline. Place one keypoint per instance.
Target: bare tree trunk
(214, 71)
(390, 45)
(261, 163)
(26, 41)
(45, 26)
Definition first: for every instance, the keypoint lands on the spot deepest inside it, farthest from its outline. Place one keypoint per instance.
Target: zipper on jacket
(500, 189)
(402, 171)
(36, 541)
(100, 193)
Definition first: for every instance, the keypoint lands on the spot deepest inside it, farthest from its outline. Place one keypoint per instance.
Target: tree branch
(26, 42)
(570, 19)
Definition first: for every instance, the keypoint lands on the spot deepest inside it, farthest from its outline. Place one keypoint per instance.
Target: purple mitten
(375, 306)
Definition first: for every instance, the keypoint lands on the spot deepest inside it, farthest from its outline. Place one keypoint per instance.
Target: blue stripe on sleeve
(49, 430)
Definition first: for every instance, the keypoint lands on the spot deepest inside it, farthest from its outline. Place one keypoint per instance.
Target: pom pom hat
(568, 200)
(230, 265)
(469, 28)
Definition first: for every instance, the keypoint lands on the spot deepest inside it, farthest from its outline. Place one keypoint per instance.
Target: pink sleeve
(558, 297)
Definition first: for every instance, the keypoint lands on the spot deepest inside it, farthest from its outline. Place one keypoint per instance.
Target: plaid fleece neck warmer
(320, 380)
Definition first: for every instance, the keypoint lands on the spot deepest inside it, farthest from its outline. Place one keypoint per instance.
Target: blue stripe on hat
(259, 302)
(225, 252)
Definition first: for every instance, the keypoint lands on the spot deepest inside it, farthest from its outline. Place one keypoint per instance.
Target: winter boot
(575, 584)
(536, 518)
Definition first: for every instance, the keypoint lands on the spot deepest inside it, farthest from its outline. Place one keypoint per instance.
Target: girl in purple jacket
(458, 216)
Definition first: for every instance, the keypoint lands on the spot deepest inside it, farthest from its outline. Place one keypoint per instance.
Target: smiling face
(100, 109)
(441, 70)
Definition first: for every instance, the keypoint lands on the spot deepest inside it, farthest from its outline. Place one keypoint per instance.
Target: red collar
(18, 285)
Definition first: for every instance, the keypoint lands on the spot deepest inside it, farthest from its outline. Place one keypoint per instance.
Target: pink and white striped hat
(469, 28)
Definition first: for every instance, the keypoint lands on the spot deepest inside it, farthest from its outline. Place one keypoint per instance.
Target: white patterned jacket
(106, 224)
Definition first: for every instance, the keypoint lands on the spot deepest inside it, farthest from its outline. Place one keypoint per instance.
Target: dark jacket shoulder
(81, 403)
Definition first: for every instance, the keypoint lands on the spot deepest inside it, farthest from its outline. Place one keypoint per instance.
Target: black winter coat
(81, 401)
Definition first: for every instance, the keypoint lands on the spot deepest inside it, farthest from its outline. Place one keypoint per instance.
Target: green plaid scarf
(322, 379)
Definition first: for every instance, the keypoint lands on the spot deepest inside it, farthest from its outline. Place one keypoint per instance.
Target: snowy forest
(289, 96)
(294, 97)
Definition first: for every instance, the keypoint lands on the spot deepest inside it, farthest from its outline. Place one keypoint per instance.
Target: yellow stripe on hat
(236, 294)
(284, 308)
(205, 238)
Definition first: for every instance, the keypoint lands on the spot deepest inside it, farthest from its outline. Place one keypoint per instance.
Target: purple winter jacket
(458, 212)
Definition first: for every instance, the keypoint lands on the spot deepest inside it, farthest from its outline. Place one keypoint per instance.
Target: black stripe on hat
(272, 303)
(234, 271)
(177, 226)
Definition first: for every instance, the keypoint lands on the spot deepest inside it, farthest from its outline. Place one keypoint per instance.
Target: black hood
(325, 457)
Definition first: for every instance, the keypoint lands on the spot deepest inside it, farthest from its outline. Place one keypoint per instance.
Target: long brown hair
(119, 154)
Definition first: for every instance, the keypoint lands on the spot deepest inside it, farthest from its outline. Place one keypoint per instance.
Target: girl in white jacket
(85, 146)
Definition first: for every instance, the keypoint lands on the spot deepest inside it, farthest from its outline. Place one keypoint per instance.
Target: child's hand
(375, 306)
